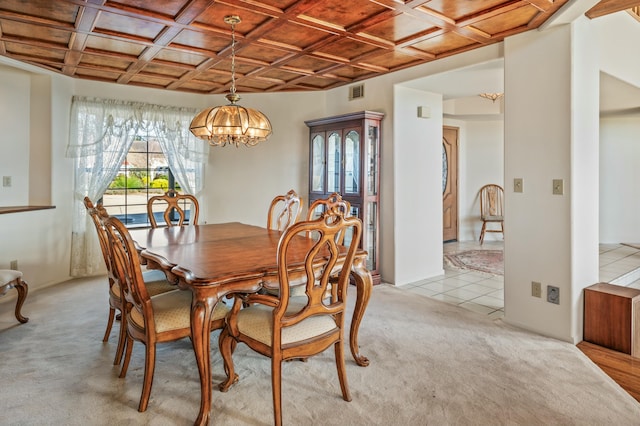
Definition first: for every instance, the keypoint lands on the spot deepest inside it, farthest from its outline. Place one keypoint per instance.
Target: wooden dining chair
(9, 279)
(174, 207)
(333, 201)
(155, 281)
(149, 319)
(491, 209)
(284, 211)
(283, 328)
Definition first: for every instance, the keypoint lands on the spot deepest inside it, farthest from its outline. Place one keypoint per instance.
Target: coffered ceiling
(282, 45)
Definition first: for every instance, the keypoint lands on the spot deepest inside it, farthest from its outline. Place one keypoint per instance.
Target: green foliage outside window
(160, 183)
(123, 181)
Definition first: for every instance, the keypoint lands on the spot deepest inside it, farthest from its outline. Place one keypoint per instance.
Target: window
(143, 174)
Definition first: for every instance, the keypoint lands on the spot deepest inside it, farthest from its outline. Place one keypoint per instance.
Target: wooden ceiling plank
(605, 7)
(542, 5)
(328, 68)
(85, 23)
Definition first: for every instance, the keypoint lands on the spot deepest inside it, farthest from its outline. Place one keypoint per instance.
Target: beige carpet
(431, 364)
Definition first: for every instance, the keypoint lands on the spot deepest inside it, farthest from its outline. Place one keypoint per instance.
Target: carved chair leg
(127, 357)
(112, 314)
(342, 370)
(122, 337)
(23, 289)
(227, 345)
(276, 386)
(149, 367)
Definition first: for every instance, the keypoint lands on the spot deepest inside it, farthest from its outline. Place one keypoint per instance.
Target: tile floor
(484, 293)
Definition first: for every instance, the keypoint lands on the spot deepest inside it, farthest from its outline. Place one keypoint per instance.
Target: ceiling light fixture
(231, 124)
(492, 96)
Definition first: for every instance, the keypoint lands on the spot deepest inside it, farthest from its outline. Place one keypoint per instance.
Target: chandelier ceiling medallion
(231, 124)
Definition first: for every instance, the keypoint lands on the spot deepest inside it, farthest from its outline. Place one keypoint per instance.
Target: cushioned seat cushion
(9, 275)
(172, 311)
(256, 322)
(155, 281)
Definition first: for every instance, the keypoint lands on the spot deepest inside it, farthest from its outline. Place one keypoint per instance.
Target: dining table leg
(364, 286)
(201, 312)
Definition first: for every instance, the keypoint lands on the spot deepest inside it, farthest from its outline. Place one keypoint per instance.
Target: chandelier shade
(231, 124)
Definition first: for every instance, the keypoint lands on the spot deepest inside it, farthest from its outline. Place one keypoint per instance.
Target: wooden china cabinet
(344, 157)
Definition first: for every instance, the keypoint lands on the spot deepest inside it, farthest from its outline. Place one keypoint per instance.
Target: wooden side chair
(333, 201)
(284, 211)
(283, 328)
(162, 318)
(174, 207)
(155, 281)
(491, 209)
(9, 279)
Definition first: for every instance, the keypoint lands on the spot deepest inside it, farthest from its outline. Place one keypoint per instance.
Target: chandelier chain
(233, 58)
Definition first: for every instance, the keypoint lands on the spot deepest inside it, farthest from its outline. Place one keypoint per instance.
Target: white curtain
(101, 133)
(185, 154)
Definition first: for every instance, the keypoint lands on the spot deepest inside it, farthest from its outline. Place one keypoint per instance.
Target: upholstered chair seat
(172, 311)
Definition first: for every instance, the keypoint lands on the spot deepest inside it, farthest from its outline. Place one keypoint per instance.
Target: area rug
(490, 261)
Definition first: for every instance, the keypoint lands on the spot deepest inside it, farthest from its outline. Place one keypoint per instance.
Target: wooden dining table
(214, 260)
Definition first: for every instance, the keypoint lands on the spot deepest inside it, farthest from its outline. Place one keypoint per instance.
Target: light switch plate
(558, 187)
(518, 185)
(6, 181)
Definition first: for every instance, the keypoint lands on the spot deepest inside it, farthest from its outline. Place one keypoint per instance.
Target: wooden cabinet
(344, 157)
(612, 317)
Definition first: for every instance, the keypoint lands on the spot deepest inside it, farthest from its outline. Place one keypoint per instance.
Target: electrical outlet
(553, 294)
(13, 265)
(536, 289)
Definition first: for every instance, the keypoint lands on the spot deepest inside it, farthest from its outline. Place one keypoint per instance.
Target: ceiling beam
(606, 7)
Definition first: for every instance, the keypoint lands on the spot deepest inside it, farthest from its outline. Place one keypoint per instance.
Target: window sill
(18, 209)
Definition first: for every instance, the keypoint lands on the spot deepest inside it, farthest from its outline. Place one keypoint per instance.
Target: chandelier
(231, 124)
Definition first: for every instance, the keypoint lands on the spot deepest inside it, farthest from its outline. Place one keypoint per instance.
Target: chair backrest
(491, 201)
(171, 203)
(98, 214)
(127, 270)
(332, 202)
(284, 211)
(319, 266)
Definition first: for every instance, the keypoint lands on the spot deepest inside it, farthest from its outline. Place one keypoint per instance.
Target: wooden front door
(449, 183)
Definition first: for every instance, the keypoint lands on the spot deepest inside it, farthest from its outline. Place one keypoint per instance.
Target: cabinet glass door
(318, 162)
(352, 162)
(372, 160)
(334, 159)
(370, 230)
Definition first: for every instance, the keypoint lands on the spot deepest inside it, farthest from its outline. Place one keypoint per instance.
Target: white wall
(619, 179)
(618, 42)
(15, 85)
(33, 142)
(619, 143)
(240, 183)
(417, 186)
(551, 115)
